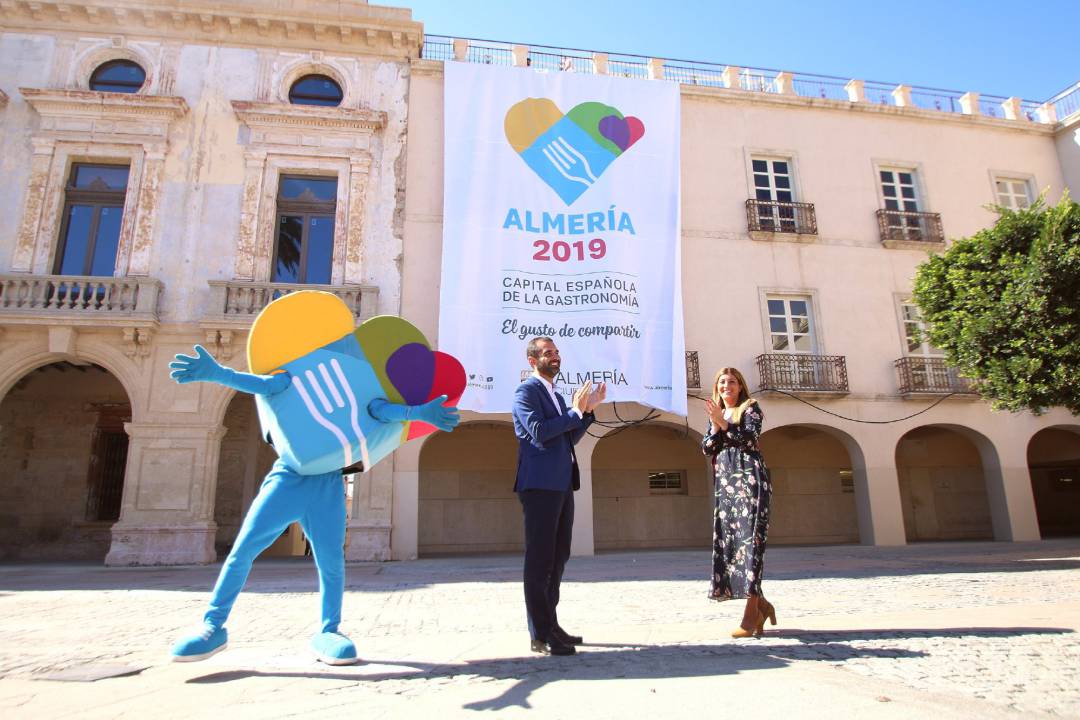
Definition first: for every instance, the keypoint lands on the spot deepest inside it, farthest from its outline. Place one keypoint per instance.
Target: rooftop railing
(750, 79)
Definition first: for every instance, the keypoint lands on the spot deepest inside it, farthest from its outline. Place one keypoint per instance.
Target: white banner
(561, 218)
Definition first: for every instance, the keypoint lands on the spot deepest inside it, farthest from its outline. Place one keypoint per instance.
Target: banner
(561, 218)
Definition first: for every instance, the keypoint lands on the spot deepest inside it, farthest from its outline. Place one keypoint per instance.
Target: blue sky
(1024, 48)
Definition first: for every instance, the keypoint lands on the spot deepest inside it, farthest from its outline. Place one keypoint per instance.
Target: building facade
(172, 170)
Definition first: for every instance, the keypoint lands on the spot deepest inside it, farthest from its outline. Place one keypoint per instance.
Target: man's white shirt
(551, 392)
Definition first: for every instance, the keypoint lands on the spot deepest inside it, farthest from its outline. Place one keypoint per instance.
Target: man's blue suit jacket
(546, 437)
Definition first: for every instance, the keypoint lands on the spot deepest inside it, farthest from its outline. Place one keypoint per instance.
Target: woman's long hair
(742, 402)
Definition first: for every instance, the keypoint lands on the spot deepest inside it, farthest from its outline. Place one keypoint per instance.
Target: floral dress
(741, 514)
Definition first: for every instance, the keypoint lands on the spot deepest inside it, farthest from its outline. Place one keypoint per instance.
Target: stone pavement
(965, 630)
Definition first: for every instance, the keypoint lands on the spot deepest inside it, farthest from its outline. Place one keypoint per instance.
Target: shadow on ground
(639, 662)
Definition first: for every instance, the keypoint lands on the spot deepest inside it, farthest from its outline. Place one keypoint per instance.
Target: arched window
(122, 76)
(316, 90)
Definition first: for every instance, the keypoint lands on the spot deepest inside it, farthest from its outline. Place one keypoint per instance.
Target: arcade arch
(814, 488)
(64, 448)
(943, 484)
(651, 489)
(1053, 456)
(466, 494)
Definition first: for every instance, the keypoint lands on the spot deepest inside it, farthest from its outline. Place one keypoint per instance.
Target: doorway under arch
(64, 450)
(467, 503)
(1053, 457)
(651, 489)
(813, 482)
(942, 486)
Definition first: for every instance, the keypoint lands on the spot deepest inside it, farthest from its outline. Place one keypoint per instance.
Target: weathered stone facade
(206, 140)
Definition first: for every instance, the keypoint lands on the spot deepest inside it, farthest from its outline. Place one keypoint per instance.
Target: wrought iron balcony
(781, 217)
(693, 369)
(804, 373)
(79, 300)
(235, 303)
(899, 226)
(929, 375)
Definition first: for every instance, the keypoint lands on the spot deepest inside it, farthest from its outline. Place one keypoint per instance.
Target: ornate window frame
(87, 126)
(95, 57)
(286, 139)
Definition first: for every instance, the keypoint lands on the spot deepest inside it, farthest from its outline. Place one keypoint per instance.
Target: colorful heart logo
(421, 375)
(570, 152)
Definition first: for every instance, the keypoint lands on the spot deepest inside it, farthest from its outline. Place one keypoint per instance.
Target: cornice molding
(89, 103)
(276, 116)
(351, 27)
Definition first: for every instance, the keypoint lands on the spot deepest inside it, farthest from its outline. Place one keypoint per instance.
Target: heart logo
(570, 152)
(421, 375)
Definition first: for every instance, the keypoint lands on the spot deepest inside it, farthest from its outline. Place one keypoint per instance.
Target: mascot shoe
(200, 645)
(334, 649)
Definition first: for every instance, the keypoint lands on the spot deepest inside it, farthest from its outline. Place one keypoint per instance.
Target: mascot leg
(324, 525)
(281, 499)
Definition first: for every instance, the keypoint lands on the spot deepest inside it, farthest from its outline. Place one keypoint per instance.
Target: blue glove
(201, 368)
(434, 413)
(204, 368)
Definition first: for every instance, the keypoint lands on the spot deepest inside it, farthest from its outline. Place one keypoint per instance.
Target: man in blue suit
(547, 476)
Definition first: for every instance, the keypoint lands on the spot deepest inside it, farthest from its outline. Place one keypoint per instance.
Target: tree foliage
(1004, 306)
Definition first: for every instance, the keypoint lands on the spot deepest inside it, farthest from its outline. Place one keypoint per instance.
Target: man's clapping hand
(581, 397)
(597, 397)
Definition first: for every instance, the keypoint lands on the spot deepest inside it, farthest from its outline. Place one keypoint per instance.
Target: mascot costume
(331, 398)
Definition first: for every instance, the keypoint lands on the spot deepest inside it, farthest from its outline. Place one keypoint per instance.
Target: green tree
(1004, 305)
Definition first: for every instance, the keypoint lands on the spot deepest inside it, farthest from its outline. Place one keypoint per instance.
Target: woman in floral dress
(743, 491)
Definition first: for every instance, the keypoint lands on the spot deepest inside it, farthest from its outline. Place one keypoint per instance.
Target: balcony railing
(237, 302)
(693, 370)
(784, 217)
(929, 375)
(903, 226)
(806, 373)
(83, 299)
(762, 80)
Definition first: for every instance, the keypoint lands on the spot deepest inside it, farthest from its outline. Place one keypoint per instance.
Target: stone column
(167, 514)
(785, 83)
(461, 49)
(1012, 109)
(149, 195)
(1048, 113)
(1008, 489)
(520, 55)
(902, 96)
(583, 540)
(877, 492)
(730, 77)
(370, 520)
(969, 103)
(405, 502)
(254, 170)
(856, 90)
(359, 172)
(600, 63)
(36, 190)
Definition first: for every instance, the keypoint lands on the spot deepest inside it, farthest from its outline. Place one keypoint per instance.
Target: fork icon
(331, 409)
(570, 163)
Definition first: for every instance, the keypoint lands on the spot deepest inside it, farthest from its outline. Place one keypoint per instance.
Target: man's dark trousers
(549, 523)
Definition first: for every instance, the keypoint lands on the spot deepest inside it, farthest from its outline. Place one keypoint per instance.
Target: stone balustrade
(82, 299)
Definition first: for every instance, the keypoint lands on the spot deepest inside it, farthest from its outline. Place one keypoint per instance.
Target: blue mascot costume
(330, 398)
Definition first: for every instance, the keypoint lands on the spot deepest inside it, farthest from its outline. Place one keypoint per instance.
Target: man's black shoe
(553, 648)
(561, 636)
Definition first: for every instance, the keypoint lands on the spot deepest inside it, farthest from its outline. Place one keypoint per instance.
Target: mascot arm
(432, 412)
(204, 368)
